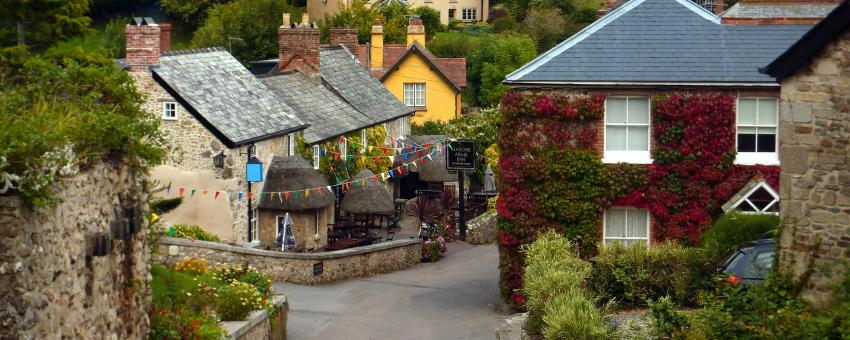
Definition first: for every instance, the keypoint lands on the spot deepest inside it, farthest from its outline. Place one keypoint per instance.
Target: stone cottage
(211, 107)
(814, 144)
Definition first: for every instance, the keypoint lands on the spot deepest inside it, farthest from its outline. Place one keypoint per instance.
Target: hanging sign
(460, 155)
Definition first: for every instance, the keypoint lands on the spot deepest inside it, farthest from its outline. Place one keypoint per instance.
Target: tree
(38, 24)
(430, 19)
(487, 67)
(357, 15)
(250, 25)
(192, 12)
(546, 25)
(394, 19)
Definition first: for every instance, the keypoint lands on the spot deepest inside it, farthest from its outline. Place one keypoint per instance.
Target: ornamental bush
(192, 232)
(732, 229)
(236, 300)
(636, 274)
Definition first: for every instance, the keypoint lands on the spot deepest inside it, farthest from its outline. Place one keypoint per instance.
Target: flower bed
(191, 298)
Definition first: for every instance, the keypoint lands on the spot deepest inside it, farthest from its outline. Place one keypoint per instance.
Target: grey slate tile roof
(347, 77)
(661, 41)
(327, 113)
(228, 97)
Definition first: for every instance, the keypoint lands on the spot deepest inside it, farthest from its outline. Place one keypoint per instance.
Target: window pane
(636, 223)
(761, 198)
(766, 142)
(615, 111)
(615, 138)
(746, 142)
(638, 111)
(767, 112)
(747, 111)
(615, 223)
(638, 138)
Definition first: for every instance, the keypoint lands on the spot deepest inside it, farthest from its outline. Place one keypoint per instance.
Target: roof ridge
(429, 57)
(193, 51)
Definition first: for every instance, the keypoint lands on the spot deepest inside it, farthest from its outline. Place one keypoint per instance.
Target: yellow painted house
(415, 76)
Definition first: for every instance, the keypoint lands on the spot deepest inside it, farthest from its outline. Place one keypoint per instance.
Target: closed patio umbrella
(489, 181)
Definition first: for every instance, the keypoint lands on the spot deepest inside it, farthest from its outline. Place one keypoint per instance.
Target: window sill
(418, 108)
(169, 118)
(753, 158)
(627, 157)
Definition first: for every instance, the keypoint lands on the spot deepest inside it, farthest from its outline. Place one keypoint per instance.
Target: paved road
(453, 298)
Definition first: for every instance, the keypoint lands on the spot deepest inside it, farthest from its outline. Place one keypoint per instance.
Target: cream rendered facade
(463, 10)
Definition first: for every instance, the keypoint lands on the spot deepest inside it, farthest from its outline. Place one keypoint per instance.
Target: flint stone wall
(814, 140)
(298, 267)
(48, 287)
(482, 229)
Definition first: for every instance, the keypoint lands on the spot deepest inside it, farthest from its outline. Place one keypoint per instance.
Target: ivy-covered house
(638, 128)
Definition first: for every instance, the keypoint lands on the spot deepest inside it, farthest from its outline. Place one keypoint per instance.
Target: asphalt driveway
(454, 298)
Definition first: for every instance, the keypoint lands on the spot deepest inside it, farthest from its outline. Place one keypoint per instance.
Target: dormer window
(757, 197)
(169, 111)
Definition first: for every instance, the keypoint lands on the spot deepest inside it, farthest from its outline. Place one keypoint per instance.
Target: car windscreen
(751, 265)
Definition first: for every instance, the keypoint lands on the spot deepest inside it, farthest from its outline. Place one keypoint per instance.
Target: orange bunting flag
(307, 193)
(363, 158)
(204, 192)
(370, 148)
(217, 193)
(286, 194)
(182, 189)
(250, 195)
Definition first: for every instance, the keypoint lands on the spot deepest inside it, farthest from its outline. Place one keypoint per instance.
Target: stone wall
(49, 288)
(482, 229)
(192, 147)
(299, 267)
(814, 140)
(259, 325)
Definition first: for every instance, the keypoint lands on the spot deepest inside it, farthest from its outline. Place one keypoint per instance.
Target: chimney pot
(305, 20)
(286, 20)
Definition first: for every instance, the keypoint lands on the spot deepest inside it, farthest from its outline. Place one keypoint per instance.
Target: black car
(750, 263)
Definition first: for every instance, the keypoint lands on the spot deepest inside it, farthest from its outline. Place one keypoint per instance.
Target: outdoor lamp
(218, 160)
(254, 170)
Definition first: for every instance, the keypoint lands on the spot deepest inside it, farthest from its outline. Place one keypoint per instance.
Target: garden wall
(301, 268)
(49, 288)
(259, 325)
(814, 141)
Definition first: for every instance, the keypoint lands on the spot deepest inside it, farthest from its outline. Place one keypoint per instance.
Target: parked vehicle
(750, 263)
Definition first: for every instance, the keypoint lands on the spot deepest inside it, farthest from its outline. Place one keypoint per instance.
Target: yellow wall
(442, 101)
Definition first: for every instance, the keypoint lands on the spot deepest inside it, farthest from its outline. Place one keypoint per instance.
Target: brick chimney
(415, 31)
(346, 37)
(299, 45)
(142, 49)
(376, 50)
(164, 37)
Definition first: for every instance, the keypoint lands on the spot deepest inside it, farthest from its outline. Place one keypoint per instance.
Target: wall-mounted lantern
(218, 160)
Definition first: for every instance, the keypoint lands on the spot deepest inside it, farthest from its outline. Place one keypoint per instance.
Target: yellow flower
(154, 218)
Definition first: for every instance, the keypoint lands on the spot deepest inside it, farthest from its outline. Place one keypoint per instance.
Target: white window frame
(415, 95)
(364, 141)
(469, 14)
(291, 144)
(166, 110)
(343, 149)
(255, 225)
(745, 199)
(626, 208)
(634, 157)
(753, 158)
(317, 157)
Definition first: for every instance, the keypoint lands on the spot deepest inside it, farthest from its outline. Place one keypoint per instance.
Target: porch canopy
(293, 173)
(368, 198)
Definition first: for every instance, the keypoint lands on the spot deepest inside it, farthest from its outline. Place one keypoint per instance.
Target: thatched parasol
(290, 174)
(368, 198)
(435, 170)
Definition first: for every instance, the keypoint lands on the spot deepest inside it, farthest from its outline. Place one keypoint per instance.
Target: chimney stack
(376, 50)
(415, 31)
(164, 37)
(346, 37)
(143, 44)
(299, 46)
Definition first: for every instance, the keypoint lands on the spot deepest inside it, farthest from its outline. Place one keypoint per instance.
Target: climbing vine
(552, 177)
(338, 169)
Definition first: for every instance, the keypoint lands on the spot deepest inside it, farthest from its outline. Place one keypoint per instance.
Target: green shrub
(180, 306)
(558, 304)
(666, 320)
(192, 232)
(258, 280)
(431, 127)
(237, 300)
(633, 275)
(163, 206)
(732, 229)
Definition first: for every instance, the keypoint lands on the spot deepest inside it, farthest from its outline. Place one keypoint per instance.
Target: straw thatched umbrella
(435, 170)
(369, 198)
(293, 173)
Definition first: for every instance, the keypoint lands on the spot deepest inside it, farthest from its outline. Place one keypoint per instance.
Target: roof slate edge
(810, 44)
(592, 28)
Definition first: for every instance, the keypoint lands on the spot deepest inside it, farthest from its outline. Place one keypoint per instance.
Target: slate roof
(348, 78)
(343, 98)
(655, 42)
(802, 52)
(327, 113)
(224, 96)
(452, 69)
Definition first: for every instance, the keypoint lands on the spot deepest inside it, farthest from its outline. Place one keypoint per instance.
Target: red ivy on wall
(692, 175)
